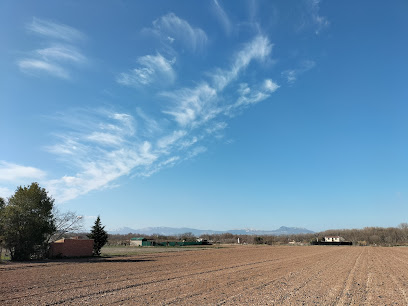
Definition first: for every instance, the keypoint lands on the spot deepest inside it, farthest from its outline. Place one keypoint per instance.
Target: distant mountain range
(170, 231)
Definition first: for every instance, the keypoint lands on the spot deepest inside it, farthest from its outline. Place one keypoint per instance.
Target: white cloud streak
(262, 93)
(168, 140)
(319, 21)
(311, 18)
(54, 30)
(151, 126)
(192, 105)
(107, 166)
(175, 30)
(222, 17)
(106, 149)
(56, 59)
(152, 69)
(270, 86)
(195, 106)
(257, 49)
(35, 66)
(10, 172)
(61, 53)
(105, 139)
(291, 75)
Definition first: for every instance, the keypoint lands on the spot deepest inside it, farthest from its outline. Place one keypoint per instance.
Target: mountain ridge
(171, 231)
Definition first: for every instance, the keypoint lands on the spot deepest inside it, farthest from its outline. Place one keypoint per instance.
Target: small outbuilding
(71, 247)
(141, 241)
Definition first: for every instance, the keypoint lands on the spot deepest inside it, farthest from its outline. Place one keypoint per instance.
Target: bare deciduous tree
(65, 222)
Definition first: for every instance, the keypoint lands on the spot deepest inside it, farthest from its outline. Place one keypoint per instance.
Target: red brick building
(72, 247)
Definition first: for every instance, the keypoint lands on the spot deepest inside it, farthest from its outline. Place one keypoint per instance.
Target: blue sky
(208, 114)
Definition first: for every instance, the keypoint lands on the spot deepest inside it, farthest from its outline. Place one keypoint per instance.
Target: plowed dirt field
(245, 275)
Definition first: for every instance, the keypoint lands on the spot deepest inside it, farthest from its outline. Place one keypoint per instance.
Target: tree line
(380, 236)
(29, 221)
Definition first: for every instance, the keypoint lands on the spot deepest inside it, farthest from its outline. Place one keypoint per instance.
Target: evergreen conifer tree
(99, 235)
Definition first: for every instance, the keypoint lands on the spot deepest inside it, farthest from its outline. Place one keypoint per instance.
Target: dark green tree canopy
(2, 206)
(99, 235)
(27, 221)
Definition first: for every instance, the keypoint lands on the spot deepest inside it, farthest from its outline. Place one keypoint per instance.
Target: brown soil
(246, 275)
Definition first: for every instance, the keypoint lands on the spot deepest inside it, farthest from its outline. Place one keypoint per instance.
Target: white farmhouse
(333, 239)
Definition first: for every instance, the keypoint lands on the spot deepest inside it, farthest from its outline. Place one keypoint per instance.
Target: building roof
(138, 238)
(62, 240)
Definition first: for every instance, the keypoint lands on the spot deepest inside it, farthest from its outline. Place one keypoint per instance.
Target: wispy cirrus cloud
(222, 17)
(150, 125)
(172, 29)
(152, 69)
(109, 149)
(192, 105)
(111, 144)
(99, 173)
(54, 30)
(60, 54)
(320, 22)
(104, 151)
(251, 96)
(291, 75)
(195, 106)
(311, 18)
(168, 140)
(102, 128)
(258, 49)
(34, 66)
